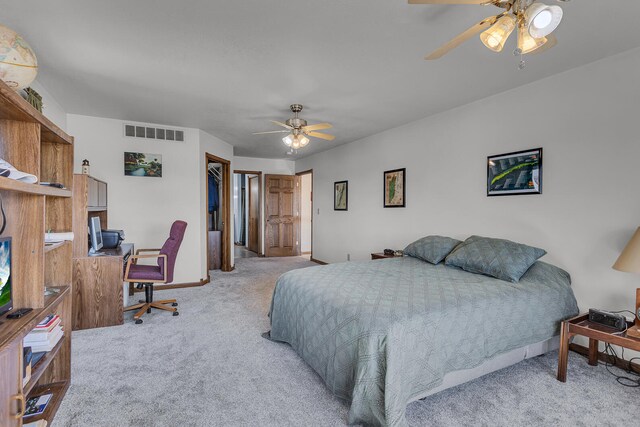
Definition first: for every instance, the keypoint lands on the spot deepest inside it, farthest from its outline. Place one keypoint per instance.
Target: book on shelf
(45, 335)
(39, 423)
(36, 405)
(27, 358)
(47, 324)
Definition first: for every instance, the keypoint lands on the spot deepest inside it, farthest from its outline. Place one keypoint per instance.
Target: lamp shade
(495, 37)
(541, 19)
(629, 259)
(526, 43)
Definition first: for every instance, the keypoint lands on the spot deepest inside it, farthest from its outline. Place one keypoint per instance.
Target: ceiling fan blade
(463, 37)
(551, 42)
(318, 126)
(281, 124)
(321, 135)
(271, 131)
(452, 1)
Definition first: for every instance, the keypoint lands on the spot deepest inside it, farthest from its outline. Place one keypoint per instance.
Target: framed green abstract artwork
(394, 188)
(515, 173)
(340, 195)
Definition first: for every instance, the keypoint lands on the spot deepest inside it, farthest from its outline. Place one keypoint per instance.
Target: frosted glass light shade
(495, 37)
(629, 259)
(295, 141)
(528, 44)
(542, 20)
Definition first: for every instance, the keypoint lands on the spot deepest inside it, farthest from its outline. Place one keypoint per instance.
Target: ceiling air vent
(133, 131)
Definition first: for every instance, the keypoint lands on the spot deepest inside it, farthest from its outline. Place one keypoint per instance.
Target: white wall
(305, 213)
(266, 166)
(146, 207)
(587, 121)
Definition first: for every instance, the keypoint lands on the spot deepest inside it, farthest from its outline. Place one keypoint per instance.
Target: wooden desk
(98, 288)
(581, 325)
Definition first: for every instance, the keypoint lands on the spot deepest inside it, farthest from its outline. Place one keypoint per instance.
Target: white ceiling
(230, 66)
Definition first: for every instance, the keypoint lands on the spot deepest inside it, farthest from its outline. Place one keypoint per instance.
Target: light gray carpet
(210, 367)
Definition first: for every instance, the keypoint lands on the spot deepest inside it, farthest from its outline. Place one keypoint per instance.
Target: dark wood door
(282, 215)
(254, 213)
(10, 390)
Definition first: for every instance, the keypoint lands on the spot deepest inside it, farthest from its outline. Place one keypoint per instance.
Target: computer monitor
(95, 233)
(6, 298)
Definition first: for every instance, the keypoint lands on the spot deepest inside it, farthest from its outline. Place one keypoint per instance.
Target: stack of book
(39, 423)
(46, 335)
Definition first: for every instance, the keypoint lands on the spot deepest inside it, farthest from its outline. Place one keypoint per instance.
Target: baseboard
(202, 282)
(603, 357)
(317, 261)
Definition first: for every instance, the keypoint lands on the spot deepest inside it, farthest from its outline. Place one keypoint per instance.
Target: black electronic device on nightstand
(612, 320)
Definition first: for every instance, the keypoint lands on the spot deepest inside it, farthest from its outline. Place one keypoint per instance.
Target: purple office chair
(146, 275)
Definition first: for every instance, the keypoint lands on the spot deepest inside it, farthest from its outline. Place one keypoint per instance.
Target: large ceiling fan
(534, 21)
(298, 130)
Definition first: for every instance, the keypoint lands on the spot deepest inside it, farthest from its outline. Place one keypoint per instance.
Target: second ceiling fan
(298, 130)
(534, 21)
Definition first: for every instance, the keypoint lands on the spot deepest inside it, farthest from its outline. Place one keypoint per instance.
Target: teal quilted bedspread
(382, 333)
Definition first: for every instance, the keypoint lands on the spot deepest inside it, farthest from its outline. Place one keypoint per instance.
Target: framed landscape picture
(340, 195)
(515, 173)
(394, 188)
(143, 164)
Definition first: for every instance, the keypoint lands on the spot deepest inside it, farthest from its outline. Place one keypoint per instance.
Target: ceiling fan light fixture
(295, 141)
(288, 140)
(541, 20)
(495, 37)
(526, 43)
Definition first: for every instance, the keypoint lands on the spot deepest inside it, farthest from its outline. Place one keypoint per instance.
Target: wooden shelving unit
(33, 144)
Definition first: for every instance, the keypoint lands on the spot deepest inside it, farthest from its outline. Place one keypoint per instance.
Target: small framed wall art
(515, 173)
(143, 164)
(341, 195)
(394, 188)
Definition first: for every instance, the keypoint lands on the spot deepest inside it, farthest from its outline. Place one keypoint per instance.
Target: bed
(384, 333)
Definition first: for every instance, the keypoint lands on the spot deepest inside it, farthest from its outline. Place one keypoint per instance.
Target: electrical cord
(633, 380)
(624, 311)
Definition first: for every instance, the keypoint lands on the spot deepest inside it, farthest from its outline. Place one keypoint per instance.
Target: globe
(18, 63)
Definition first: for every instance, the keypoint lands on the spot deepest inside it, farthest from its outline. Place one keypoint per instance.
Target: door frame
(260, 211)
(226, 204)
(299, 174)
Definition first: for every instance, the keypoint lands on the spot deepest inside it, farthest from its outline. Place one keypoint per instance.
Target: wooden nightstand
(595, 332)
(381, 255)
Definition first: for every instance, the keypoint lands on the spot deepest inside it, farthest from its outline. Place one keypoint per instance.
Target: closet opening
(217, 209)
(247, 197)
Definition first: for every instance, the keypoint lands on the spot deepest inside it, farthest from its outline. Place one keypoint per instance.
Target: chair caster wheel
(175, 304)
(138, 321)
(175, 313)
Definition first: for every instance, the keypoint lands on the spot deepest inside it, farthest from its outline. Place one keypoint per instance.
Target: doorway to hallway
(247, 195)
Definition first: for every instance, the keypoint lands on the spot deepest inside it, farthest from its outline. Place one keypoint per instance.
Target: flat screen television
(6, 299)
(95, 233)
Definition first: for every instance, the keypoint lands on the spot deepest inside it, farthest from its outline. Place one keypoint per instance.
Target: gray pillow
(498, 258)
(432, 249)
